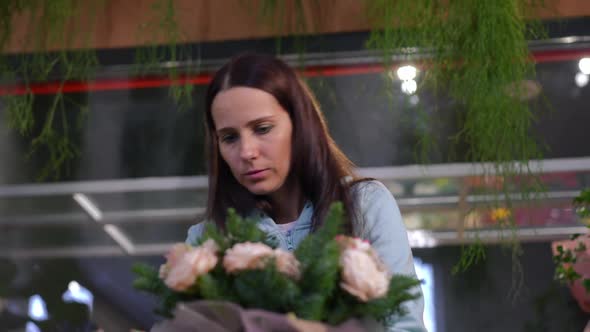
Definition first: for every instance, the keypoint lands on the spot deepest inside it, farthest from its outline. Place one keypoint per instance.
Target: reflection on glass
(37, 308)
(77, 293)
(32, 327)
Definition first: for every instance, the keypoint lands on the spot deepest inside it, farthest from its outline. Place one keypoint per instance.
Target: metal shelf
(442, 204)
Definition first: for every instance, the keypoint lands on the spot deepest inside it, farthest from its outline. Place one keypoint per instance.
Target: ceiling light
(581, 80)
(584, 65)
(406, 73)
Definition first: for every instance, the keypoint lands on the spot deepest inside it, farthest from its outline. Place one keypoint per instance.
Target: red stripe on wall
(103, 85)
(163, 81)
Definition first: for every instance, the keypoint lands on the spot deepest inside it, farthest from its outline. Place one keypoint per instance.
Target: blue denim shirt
(379, 221)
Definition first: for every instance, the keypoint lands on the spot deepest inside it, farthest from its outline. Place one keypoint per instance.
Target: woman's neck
(287, 203)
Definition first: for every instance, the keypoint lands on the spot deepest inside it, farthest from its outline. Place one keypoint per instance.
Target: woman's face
(254, 135)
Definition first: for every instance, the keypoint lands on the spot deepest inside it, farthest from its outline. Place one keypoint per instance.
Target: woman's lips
(256, 174)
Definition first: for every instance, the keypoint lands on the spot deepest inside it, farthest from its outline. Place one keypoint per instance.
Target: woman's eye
(229, 138)
(263, 129)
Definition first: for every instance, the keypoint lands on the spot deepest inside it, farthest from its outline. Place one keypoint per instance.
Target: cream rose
(195, 262)
(347, 242)
(363, 273)
(172, 258)
(287, 263)
(210, 245)
(246, 256)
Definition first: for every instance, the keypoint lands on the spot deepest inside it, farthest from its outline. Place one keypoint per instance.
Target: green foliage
(160, 25)
(244, 288)
(315, 296)
(582, 203)
(217, 286)
(566, 273)
(20, 112)
(49, 22)
(50, 28)
(470, 255)
(476, 52)
(276, 13)
(564, 255)
(318, 255)
(238, 230)
(148, 280)
(565, 259)
(487, 39)
(278, 294)
(388, 307)
(385, 309)
(243, 230)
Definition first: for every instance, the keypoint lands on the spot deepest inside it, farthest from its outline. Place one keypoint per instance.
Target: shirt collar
(303, 221)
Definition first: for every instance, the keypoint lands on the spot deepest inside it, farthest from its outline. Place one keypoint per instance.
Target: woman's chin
(260, 189)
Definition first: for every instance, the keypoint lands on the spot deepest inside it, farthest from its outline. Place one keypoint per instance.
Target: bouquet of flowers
(236, 280)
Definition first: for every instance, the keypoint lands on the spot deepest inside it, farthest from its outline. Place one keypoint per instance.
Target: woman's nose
(248, 148)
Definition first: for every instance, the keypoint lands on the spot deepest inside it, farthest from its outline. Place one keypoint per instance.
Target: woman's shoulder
(195, 232)
(368, 189)
(376, 208)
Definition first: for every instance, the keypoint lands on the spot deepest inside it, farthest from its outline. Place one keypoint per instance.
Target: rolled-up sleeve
(383, 227)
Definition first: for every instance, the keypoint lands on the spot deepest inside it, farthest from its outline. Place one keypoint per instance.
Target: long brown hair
(321, 168)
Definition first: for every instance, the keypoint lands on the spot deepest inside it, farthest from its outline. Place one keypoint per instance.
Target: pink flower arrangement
(363, 274)
(330, 279)
(184, 263)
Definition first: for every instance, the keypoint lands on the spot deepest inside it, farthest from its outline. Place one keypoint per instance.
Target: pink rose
(172, 258)
(362, 275)
(287, 263)
(355, 243)
(246, 256)
(195, 262)
(210, 245)
(347, 242)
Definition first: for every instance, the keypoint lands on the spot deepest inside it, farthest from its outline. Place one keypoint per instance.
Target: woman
(271, 156)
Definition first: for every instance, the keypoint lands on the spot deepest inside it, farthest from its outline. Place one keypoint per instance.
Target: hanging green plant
(161, 23)
(288, 17)
(50, 27)
(48, 24)
(476, 52)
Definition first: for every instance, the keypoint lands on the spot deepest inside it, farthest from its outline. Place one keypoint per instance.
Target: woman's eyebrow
(261, 119)
(249, 123)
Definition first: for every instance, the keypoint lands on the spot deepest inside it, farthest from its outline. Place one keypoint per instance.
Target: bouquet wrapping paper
(222, 316)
